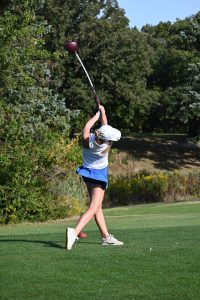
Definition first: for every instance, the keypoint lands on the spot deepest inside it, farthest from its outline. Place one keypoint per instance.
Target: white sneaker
(71, 237)
(110, 240)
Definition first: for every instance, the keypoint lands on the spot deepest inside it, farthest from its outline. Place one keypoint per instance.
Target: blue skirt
(94, 175)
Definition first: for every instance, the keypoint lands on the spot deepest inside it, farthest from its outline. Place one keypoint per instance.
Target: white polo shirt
(93, 157)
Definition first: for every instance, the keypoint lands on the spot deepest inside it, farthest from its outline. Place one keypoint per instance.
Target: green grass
(159, 260)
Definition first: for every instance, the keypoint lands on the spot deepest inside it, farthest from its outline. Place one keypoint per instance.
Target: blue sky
(141, 12)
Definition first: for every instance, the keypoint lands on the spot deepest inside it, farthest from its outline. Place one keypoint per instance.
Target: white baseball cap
(109, 133)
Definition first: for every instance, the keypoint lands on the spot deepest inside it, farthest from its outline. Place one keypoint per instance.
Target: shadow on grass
(46, 243)
(167, 152)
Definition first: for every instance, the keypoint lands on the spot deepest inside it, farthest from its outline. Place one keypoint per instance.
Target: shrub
(28, 170)
(31, 190)
(22, 183)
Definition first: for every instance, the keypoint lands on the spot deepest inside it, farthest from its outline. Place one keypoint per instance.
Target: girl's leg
(95, 209)
(100, 221)
(96, 199)
(99, 217)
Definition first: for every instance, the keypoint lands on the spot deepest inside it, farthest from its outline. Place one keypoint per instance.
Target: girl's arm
(104, 120)
(86, 129)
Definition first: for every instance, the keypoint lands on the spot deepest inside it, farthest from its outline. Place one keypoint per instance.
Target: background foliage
(147, 187)
(148, 80)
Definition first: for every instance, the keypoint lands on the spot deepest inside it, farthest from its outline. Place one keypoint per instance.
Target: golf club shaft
(90, 81)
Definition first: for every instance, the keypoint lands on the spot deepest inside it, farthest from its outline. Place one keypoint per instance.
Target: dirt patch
(155, 153)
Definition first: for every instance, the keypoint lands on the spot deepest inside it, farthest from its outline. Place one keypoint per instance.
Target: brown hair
(109, 142)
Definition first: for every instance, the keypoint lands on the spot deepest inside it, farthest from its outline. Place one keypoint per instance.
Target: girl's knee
(93, 208)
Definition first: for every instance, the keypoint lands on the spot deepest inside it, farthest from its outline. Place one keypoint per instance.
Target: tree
(116, 57)
(176, 51)
(184, 102)
(25, 69)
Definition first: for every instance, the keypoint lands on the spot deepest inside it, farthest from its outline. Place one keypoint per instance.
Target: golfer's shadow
(47, 243)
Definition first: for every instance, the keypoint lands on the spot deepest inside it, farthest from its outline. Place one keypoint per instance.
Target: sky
(142, 12)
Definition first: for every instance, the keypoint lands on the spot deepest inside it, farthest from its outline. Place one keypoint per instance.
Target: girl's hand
(102, 109)
(104, 120)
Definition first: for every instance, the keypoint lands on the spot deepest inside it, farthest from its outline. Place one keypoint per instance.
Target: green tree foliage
(175, 74)
(183, 102)
(116, 57)
(25, 68)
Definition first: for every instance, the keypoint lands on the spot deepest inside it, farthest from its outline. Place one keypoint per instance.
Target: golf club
(73, 47)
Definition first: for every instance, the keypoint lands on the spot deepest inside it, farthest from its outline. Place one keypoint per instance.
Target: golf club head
(71, 46)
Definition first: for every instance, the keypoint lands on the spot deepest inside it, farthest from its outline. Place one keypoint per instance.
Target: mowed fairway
(159, 260)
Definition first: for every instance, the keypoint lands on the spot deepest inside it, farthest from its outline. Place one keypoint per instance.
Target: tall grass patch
(147, 187)
(68, 196)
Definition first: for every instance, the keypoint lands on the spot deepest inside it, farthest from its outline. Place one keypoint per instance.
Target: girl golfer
(94, 173)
